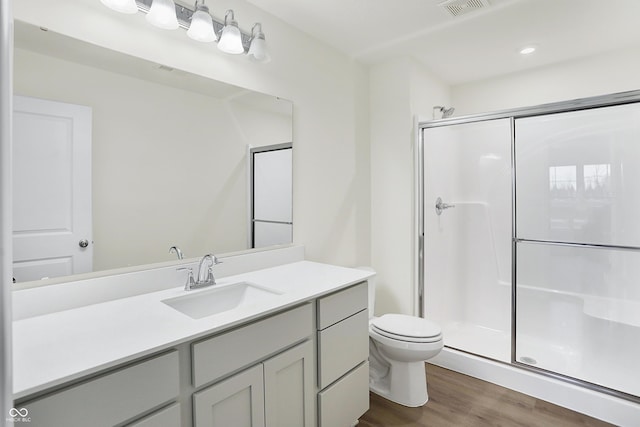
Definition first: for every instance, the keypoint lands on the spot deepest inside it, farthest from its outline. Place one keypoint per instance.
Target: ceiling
(482, 43)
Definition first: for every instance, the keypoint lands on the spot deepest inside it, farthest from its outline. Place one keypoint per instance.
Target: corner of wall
(399, 90)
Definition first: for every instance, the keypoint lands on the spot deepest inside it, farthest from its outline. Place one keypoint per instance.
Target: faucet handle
(190, 280)
(210, 279)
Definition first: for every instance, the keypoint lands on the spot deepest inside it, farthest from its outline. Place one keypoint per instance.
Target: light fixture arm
(257, 33)
(253, 29)
(199, 5)
(226, 15)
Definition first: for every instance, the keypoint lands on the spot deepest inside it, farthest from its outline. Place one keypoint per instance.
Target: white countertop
(55, 348)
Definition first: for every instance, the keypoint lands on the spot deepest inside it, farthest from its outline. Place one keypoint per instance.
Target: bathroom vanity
(296, 359)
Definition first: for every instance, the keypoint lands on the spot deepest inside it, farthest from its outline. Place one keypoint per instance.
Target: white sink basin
(219, 298)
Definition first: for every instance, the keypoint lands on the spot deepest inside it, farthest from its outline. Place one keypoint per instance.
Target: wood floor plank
(458, 400)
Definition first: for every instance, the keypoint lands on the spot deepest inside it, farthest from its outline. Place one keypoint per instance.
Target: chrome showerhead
(446, 112)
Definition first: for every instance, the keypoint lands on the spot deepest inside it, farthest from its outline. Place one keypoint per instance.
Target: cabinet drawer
(341, 347)
(111, 399)
(166, 417)
(218, 356)
(353, 388)
(335, 307)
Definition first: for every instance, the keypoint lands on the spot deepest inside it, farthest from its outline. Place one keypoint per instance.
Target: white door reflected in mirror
(51, 189)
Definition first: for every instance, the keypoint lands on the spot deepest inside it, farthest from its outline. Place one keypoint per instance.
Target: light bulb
(231, 39)
(201, 28)
(163, 14)
(123, 6)
(258, 47)
(258, 50)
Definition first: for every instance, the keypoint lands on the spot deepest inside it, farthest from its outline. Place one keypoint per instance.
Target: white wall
(399, 90)
(331, 194)
(616, 71)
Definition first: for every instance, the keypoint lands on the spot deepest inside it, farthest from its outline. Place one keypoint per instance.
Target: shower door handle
(440, 206)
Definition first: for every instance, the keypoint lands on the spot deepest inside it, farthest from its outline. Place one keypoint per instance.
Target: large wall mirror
(167, 161)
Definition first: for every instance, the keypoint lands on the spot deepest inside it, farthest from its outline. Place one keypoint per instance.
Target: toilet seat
(407, 328)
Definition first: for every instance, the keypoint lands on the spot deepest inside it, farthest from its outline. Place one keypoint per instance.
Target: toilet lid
(406, 326)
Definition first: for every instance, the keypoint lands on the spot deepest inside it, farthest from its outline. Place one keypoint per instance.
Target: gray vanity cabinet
(274, 387)
(113, 398)
(302, 367)
(289, 388)
(237, 401)
(276, 393)
(165, 417)
(343, 353)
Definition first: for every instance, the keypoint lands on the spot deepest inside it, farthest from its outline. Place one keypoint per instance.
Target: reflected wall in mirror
(169, 150)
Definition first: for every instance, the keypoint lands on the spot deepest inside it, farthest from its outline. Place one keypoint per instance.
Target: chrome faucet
(177, 251)
(205, 274)
(205, 278)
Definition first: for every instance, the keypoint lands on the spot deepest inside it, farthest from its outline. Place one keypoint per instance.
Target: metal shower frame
(621, 98)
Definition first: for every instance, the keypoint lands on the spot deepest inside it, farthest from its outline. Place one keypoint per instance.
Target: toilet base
(405, 384)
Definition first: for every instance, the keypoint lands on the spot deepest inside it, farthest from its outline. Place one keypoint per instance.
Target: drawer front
(218, 356)
(341, 347)
(345, 401)
(335, 307)
(111, 399)
(167, 417)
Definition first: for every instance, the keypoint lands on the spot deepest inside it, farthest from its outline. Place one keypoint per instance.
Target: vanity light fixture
(122, 6)
(258, 48)
(163, 14)
(201, 28)
(200, 25)
(230, 39)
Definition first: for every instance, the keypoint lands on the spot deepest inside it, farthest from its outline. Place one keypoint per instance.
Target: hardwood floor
(459, 400)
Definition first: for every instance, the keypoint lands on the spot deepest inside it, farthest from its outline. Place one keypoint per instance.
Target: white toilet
(398, 347)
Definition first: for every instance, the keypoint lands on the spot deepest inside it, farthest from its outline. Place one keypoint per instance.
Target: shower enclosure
(530, 231)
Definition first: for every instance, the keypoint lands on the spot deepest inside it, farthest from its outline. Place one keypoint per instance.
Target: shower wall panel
(468, 247)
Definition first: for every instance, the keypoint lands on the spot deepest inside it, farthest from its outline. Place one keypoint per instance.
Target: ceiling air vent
(462, 7)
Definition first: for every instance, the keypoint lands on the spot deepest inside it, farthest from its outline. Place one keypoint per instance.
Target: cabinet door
(237, 401)
(288, 384)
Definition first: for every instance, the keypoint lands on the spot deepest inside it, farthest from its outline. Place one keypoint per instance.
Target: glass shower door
(271, 195)
(467, 244)
(578, 250)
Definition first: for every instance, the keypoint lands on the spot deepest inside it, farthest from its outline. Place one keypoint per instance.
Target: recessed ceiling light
(527, 50)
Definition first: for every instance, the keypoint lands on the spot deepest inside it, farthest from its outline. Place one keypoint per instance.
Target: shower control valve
(440, 206)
